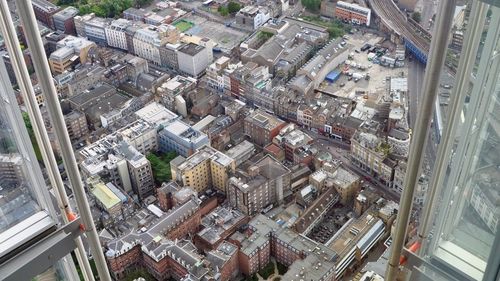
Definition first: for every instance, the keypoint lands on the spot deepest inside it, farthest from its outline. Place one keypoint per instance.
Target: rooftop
(240, 149)
(105, 195)
(264, 120)
(203, 154)
(66, 13)
(344, 178)
(45, 5)
(156, 113)
(220, 220)
(191, 49)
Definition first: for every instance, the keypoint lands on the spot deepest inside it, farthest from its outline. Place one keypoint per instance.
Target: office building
(217, 226)
(147, 41)
(241, 152)
(80, 24)
(64, 20)
(116, 34)
(105, 198)
(95, 30)
(193, 59)
(253, 16)
(119, 158)
(180, 137)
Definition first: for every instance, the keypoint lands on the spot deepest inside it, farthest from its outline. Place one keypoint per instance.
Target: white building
(193, 59)
(147, 41)
(253, 16)
(115, 33)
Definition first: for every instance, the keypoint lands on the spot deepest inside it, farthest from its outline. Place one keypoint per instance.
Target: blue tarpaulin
(333, 76)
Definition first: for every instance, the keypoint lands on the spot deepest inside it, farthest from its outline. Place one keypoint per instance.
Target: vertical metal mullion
(474, 117)
(417, 148)
(22, 75)
(469, 52)
(27, 16)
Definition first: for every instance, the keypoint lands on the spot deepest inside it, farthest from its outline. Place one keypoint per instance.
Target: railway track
(392, 17)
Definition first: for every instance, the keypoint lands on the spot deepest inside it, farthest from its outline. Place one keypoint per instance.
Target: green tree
(311, 5)
(223, 11)
(161, 166)
(282, 269)
(143, 3)
(267, 271)
(233, 7)
(416, 16)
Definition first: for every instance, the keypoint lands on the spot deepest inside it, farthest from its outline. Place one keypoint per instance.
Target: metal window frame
(37, 258)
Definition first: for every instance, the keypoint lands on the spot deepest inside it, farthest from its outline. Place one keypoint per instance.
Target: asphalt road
(340, 151)
(416, 72)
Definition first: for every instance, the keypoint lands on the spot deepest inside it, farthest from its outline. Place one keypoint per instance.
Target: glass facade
(466, 210)
(24, 210)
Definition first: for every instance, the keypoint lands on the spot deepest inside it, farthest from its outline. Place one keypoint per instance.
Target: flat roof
(105, 195)
(191, 49)
(156, 113)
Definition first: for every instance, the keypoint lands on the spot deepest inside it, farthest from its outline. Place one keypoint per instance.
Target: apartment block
(204, 169)
(370, 153)
(262, 127)
(76, 124)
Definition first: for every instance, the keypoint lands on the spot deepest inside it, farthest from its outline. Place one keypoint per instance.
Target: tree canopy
(106, 8)
(233, 7)
(161, 166)
(416, 16)
(311, 5)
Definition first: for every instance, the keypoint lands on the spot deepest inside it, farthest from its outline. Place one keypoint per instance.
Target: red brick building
(353, 13)
(262, 127)
(265, 239)
(44, 12)
(225, 257)
(217, 226)
(153, 246)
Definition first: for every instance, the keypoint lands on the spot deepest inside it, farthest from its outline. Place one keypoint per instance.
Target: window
(24, 206)
(461, 220)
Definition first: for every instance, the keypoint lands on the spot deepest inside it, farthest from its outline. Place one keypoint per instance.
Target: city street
(340, 151)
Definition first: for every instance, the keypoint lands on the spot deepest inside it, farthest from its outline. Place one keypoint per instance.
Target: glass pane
(62, 270)
(23, 194)
(469, 207)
